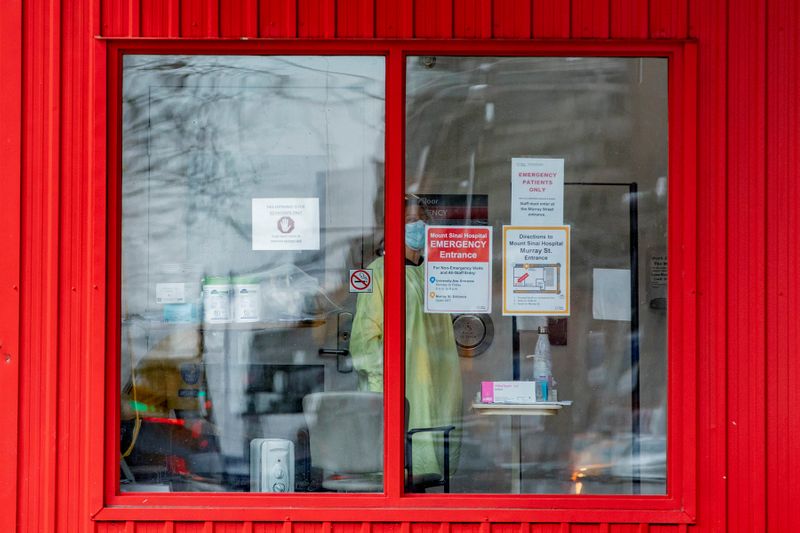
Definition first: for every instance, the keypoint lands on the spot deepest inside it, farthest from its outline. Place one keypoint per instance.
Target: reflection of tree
(203, 141)
(199, 134)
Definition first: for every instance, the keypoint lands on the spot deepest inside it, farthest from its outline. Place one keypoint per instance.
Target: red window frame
(677, 506)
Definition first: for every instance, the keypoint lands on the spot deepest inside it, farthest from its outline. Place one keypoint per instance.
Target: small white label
(170, 293)
(657, 282)
(217, 304)
(361, 280)
(246, 303)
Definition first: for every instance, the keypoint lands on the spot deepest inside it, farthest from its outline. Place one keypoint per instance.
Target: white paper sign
(170, 293)
(285, 223)
(536, 270)
(611, 294)
(458, 269)
(657, 276)
(537, 191)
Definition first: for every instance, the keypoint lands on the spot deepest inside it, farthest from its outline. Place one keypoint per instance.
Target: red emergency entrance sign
(458, 269)
(361, 280)
(458, 244)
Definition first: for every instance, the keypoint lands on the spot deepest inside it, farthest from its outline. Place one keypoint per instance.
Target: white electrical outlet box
(271, 465)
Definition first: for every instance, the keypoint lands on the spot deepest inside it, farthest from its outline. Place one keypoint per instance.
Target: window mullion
(394, 340)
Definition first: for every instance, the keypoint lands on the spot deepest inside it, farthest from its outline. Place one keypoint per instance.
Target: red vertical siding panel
(509, 528)
(629, 19)
(238, 18)
(190, 527)
(669, 19)
(267, 527)
(278, 18)
(511, 19)
(149, 527)
(625, 528)
(472, 19)
(73, 425)
(346, 527)
(121, 18)
(394, 18)
(783, 249)
(709, 28)
(746, 267)
(10, 218)
(642, 528)
(355, 18)
(229, 527)
(583, 528)
(74, 285)
(113, 23)
(39, 296)
(316, 18)
(433, 18)
(590, 19)
(466, 528)
(306, 527)
(110, 527)
(160, 18)
(199, 18)
(551, 19)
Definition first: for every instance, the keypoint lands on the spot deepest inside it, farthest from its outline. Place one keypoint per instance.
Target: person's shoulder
(377, 264)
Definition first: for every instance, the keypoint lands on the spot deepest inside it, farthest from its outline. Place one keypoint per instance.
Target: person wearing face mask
(433, 376)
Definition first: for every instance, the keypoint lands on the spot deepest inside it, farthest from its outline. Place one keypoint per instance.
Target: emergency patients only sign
(537, 191)
(458, 269)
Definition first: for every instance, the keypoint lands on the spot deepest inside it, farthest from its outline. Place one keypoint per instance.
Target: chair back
(345, 431)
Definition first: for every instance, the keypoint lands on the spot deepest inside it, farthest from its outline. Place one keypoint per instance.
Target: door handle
(343, 363)
(328, 352)
(344, 322)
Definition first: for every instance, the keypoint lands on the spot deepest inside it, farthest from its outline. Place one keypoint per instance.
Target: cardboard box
(521, 392)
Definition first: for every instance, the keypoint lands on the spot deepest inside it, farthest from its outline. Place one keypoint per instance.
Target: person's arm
(366, 340)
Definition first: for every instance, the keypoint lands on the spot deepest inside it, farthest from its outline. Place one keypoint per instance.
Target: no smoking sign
(361, 280)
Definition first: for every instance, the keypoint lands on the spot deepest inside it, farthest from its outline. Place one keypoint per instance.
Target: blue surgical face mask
(415, 235)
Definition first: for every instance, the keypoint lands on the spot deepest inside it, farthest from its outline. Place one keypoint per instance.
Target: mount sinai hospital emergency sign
(458, 271)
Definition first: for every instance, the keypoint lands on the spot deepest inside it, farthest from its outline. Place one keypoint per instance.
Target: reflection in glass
(251, 186)
(467, 117)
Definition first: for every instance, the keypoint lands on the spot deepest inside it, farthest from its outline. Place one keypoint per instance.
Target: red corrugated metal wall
(748, 160)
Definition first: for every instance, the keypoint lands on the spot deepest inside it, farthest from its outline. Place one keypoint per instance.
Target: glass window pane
(563, 161)
(252, 191)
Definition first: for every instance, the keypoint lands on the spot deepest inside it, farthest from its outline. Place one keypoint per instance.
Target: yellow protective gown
(433, 376)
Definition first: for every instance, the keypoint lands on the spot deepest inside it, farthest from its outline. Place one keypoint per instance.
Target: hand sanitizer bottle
(542, 366)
